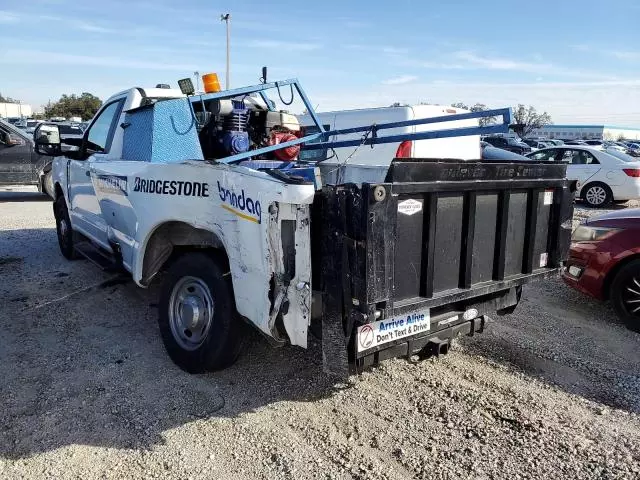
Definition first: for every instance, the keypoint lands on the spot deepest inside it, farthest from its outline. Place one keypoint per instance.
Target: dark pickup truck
(19, 162)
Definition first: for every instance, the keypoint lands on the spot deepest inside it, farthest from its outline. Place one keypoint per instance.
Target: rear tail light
(404, 149)
(632, 172)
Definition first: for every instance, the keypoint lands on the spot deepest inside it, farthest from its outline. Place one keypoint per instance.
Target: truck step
(97, 256)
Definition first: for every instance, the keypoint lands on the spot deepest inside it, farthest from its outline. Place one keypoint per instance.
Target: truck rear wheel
(197, 317)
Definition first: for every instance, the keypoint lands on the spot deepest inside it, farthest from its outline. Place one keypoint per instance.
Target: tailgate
(439, 237)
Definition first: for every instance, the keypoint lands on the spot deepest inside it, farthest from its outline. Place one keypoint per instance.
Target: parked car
(615, 146)
(69, 130)
(536, 144)
(575, 142)
(489, 152)
(509, 143)
(465, 148)
(634, 149)
(31, 126)
(603, 176)
(604, 262)
(594, 143)
(19, 162)
(555, 141)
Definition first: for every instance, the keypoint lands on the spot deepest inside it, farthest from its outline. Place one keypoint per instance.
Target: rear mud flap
(335, 359)
(334, 348)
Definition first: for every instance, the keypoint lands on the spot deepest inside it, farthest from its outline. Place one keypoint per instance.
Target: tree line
(525, 119)
(84, 106)
(4, 99)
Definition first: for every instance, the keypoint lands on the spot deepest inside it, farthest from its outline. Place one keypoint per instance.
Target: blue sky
(580, 61)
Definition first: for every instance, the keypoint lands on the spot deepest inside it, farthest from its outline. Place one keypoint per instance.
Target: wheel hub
(632, 297)
(596, 195)
(190, 312)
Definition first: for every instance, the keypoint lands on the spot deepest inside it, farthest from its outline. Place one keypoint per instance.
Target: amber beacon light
(211, 83)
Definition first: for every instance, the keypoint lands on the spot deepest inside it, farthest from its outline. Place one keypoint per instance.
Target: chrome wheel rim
(63, 229)
(190, 312)
(631, 296)
(596, 195)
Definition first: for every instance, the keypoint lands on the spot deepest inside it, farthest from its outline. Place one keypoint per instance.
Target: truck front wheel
(66, 235)
(197, 319)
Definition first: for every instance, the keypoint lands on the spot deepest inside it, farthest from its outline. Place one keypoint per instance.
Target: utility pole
(197, 75)
(226, 17)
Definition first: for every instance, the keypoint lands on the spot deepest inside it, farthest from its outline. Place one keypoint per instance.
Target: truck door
(85, 208)
(15, 157)
(582, 165)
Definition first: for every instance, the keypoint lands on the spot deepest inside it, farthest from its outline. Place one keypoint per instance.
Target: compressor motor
(230, 127)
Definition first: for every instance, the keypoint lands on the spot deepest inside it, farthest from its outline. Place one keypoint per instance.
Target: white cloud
(91, 27)
(401, 80)
(501, 63)
(356, 24)
(608, 52)
(284, 46)
(394, 50)
(37, 57)
(626, 55)
(356, 46)
(9, 17)
(611, 102)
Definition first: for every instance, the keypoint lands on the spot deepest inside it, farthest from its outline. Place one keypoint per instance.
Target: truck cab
(102, 143)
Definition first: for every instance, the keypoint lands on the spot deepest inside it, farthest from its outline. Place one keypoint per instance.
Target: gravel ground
(552, 391)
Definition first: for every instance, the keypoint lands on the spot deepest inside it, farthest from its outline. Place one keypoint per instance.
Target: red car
(604, 262)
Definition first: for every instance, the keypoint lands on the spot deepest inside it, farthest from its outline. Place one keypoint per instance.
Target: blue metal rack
(370, 136)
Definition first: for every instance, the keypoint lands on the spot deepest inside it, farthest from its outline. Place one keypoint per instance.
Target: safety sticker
(544, 259)
(548, 197)
(409, 207)
(384, 331)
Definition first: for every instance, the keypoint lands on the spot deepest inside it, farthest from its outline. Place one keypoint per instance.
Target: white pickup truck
(197, 188)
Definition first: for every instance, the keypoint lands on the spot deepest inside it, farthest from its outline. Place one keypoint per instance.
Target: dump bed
(448, 241)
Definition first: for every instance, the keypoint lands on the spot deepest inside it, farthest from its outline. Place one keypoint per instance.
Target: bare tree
(478, 107)
(527, 119)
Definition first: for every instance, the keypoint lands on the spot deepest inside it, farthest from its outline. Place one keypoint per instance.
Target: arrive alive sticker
(383, 331)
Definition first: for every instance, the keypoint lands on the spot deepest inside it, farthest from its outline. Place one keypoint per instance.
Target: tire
(66, 235)
(597, 195)
(47, 184)
(215, 341)
(625, 295)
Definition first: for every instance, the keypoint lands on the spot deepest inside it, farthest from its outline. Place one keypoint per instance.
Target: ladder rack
(320, 140)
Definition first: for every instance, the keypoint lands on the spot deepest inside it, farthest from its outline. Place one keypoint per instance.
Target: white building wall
(570, 132)
(587, 132)
(15, 110)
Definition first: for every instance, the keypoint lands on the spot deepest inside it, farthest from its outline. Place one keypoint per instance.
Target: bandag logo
(240, 204)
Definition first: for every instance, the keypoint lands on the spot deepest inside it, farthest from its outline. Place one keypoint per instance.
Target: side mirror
(47, 139)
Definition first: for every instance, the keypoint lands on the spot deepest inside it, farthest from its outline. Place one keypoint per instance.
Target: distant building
(15, 110)
(587, 132)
